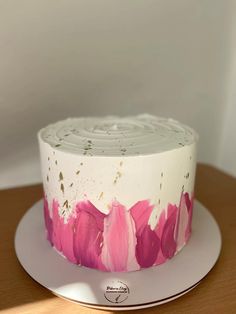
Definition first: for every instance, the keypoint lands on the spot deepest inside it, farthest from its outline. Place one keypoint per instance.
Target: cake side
(118, 213)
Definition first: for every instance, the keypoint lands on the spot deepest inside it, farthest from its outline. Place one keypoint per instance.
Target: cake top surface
(117, 136)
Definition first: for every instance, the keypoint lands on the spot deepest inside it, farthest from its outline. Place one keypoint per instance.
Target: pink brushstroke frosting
(148, 243)
(121, 240)
(88, 235)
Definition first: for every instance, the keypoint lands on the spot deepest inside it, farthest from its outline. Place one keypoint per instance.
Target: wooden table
(216, 294)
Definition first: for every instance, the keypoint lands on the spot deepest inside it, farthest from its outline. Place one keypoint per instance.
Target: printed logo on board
(116, 292)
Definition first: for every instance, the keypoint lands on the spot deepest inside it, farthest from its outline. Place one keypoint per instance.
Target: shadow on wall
(88, 58)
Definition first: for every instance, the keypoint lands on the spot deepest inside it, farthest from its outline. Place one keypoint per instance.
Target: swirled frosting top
(117, 136)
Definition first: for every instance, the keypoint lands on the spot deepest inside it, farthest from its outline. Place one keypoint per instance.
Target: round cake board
(118, 291)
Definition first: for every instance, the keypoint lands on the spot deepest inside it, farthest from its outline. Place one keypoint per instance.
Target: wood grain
(216, 294)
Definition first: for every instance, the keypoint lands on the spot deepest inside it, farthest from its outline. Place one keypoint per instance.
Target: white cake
(118, 191)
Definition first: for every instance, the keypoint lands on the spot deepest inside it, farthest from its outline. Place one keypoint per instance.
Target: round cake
(118, 191)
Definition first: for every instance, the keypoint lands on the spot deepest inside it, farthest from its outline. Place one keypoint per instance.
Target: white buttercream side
(160, 178)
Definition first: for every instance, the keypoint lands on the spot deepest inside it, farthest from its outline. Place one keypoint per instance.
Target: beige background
(71, 58)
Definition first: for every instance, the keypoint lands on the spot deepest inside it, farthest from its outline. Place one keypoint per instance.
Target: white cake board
(134, 290)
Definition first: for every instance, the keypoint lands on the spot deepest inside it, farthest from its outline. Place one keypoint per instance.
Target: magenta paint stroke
(88, 235)
(67, 239)
(159, 231)
(121, 240)
(148, 243)
(62, 235)
(168, 242)
(48, 221)
(189, 204)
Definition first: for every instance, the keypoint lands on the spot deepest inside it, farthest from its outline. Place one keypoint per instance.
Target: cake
(118, 191)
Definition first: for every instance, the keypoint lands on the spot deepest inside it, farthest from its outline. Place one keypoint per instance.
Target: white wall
(227, 155)
(227, 152)
(69, 58)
